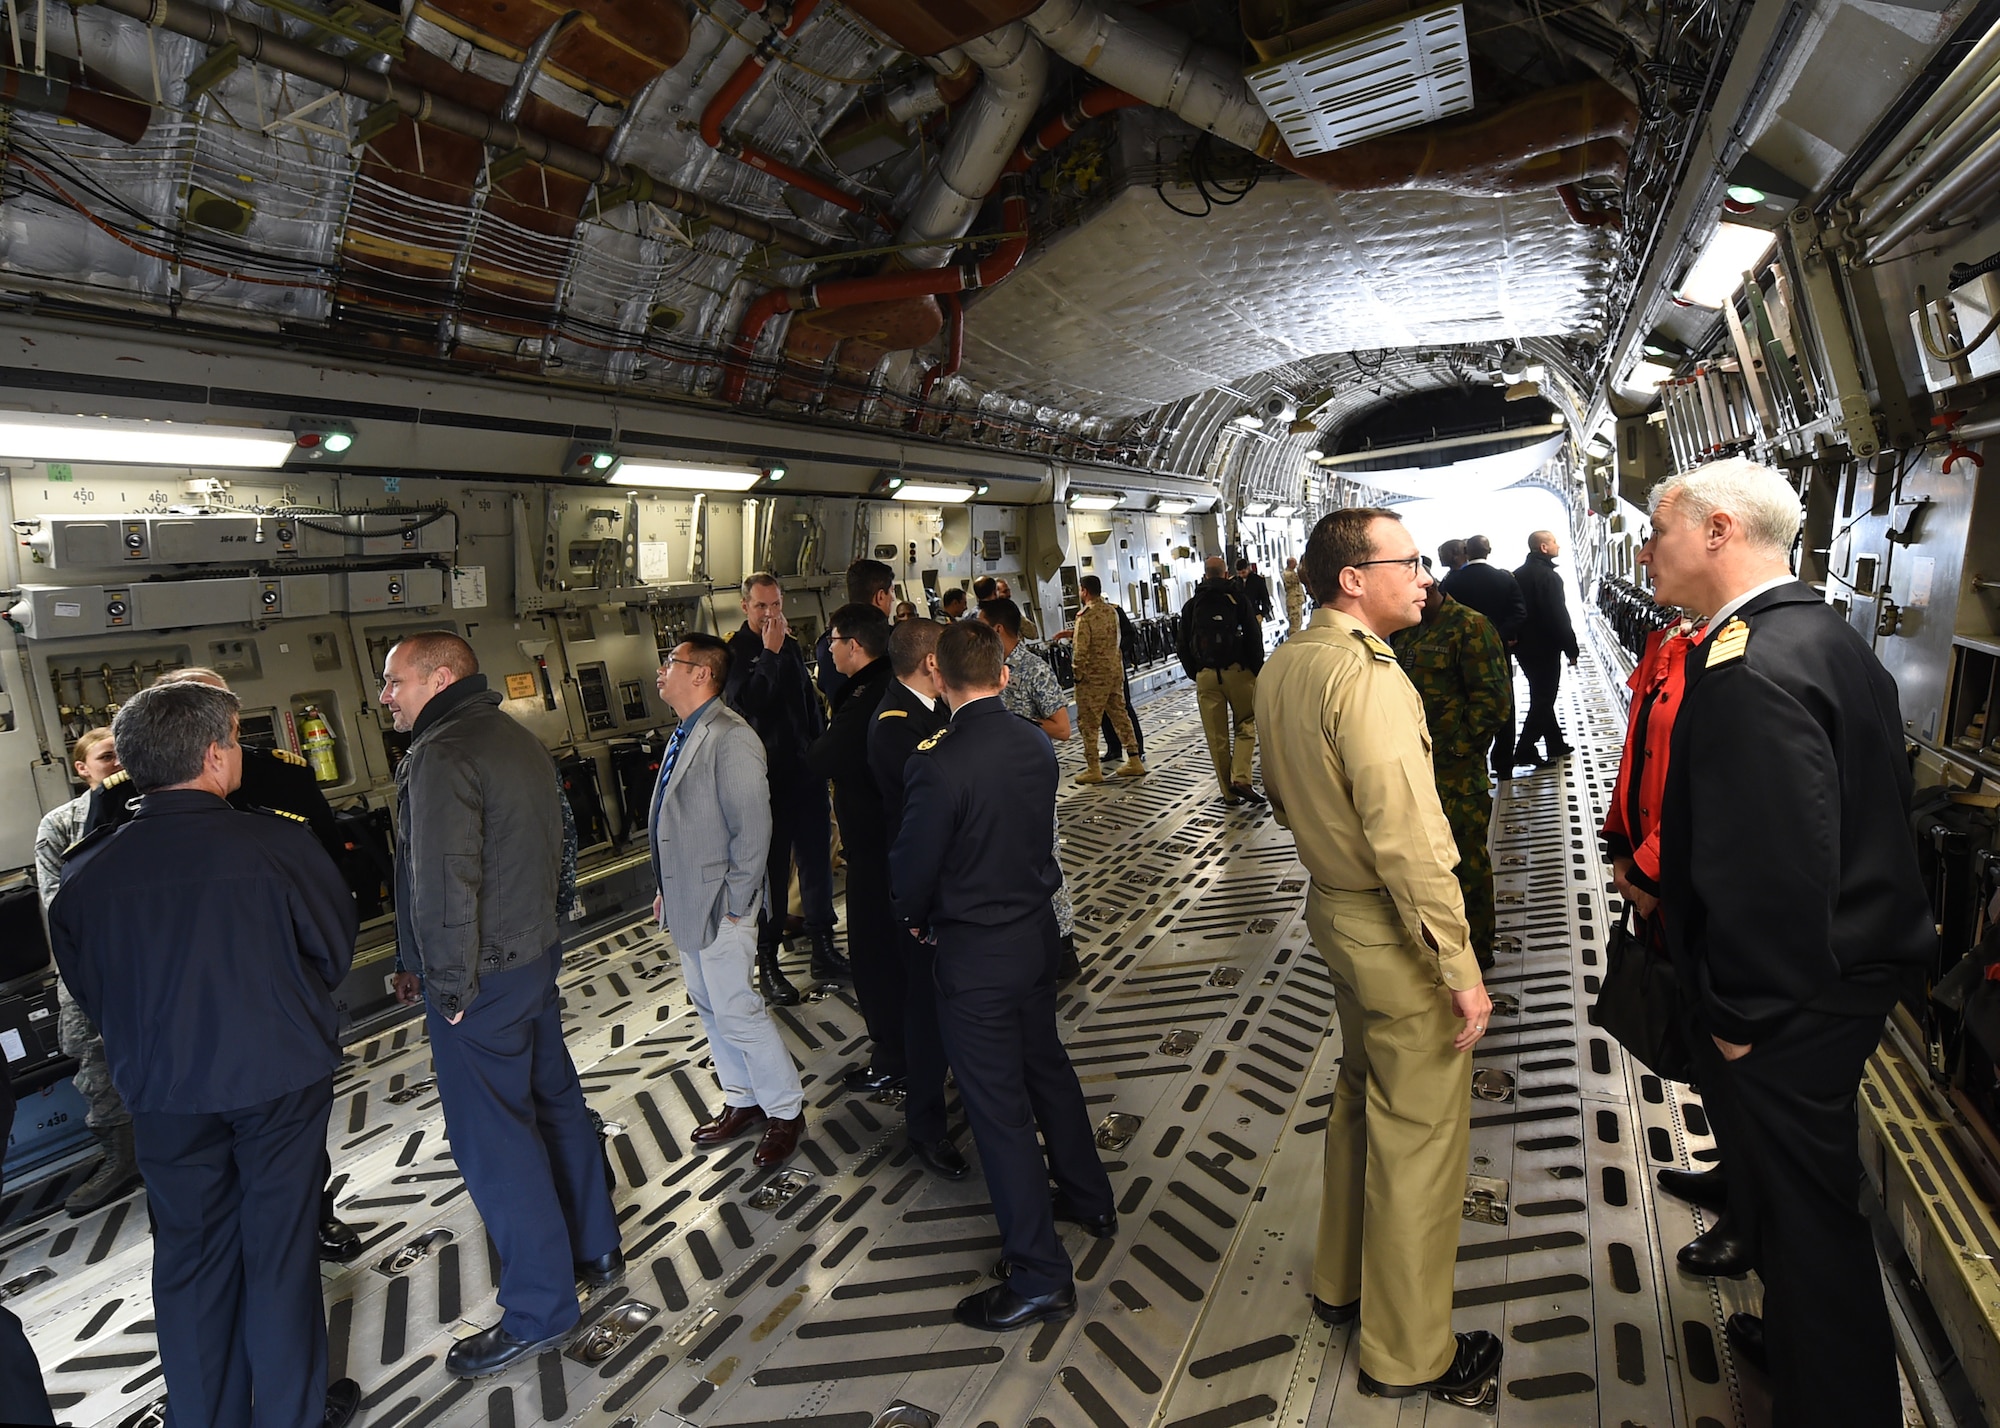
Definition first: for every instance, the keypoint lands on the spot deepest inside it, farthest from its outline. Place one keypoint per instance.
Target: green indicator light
(1743, 193)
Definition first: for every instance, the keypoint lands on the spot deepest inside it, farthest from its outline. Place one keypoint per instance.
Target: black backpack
(1215, 628)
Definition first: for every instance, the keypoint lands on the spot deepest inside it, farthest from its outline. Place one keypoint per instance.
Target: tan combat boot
(1093, 774)
(1131, 768)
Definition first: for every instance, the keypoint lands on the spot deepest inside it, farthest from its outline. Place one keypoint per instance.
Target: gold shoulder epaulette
(286, 813)
(934, 740)
(1729, 643)
(1377, 646)
(117, 780)
(286, 756)
(894, 714)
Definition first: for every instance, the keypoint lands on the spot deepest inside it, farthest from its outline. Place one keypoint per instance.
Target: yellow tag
(520, 686)
(1730, 644)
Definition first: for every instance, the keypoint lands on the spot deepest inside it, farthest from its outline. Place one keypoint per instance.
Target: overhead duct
(93, 102)
(898, 311)
(261, 46)
(890, 287)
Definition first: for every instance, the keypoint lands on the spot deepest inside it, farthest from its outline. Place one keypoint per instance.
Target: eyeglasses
(838, 639)
(690, 663)
(1410, 563)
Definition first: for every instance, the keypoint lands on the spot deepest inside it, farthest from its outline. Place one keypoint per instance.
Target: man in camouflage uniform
(1100, 682)
(1456, 660)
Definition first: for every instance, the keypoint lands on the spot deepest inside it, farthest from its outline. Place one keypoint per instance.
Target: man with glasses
(709, 832)
(1347, 765)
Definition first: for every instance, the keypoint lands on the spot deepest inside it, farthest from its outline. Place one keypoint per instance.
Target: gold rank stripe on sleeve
(1729, 644)
(287, 813)
(894, 714)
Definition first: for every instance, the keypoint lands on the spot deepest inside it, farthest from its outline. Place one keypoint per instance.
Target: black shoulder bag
(1639, 1001)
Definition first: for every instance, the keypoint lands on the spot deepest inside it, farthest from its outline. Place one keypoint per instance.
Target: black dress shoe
(601, 1271)
(1717, 1251)
(1562, 751)
(1465, 1379)
(491, 1350)
(339, 1242)
(1336, 1314)
(864, 1081)
(1068, 967)
(343, 1399)
(1000, 1309)
(1246, 792)
(1745, 1333)
(734, 1121)
(1098, 1227)
(1706, 1188)
(941, 1158)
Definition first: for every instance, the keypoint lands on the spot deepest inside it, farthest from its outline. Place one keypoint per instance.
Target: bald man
(479, 850)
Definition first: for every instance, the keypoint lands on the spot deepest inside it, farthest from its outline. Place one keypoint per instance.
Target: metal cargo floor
(828, 1306)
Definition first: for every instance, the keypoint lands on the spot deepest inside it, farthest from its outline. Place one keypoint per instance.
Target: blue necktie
(673, 752)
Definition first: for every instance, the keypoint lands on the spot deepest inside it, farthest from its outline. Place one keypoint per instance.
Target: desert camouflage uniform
(1100, 679)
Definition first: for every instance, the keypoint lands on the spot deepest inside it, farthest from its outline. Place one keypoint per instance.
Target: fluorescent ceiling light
(919, 491)
(678, 476)
(29, 436)
(1094, 501)
(1257, 508)
(1170, 506)
(1718, 272)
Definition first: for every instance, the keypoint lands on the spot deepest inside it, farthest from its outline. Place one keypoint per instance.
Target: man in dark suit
(980, 796)
(205, 944)
(1546, 638)
(1495, 594)
(911, 710)
(772, 688)
(1796, 916)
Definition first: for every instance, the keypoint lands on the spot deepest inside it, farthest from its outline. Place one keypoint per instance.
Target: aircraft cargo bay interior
(1256, 711)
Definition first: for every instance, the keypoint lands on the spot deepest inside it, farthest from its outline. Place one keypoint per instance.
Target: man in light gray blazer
(710, 830)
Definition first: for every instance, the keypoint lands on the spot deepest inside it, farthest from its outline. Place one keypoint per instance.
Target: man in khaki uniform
(1100, 681)
(1347, 767)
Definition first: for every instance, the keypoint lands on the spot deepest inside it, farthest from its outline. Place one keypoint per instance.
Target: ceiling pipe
(732, 93)
(1163, 67)
(1972, 180)
(267, 47)
(1015, 70)
(936, 282)
(954, 350)
(1942, 103)
(120, 116)
(537, 56)
(1950, 142)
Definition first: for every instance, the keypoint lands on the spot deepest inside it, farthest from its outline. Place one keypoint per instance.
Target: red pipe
(954, 351)
(927, 282)
(731, 94)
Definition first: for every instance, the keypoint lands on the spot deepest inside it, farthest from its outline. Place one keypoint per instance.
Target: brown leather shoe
(733, 1121)
(781, 1138)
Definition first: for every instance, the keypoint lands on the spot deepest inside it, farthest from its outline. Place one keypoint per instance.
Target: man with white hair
(1795, 916)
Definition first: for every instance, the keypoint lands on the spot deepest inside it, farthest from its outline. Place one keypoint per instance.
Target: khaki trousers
(1228, 700)
(1093, 703)
(1397, 1138)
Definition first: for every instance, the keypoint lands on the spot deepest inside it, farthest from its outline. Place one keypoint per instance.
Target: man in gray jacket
(478, 859)
(710, 832)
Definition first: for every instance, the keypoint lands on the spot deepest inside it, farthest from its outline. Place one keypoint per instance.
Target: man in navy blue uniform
(858, 637)
(205, 944)
(274, 781)
(479, 852)
(979, 798)
(1796, 916)
(909, 712)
